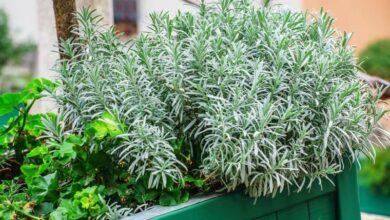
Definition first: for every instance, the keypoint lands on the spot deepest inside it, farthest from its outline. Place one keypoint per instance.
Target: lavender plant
(261, 97)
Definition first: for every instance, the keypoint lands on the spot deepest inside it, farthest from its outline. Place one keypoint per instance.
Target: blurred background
(28, 39)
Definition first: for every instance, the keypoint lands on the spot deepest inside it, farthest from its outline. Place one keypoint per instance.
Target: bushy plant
(376, 175)
(254, 97)
(375, 59)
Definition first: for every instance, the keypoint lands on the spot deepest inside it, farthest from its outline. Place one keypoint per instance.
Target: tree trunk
(64, 12)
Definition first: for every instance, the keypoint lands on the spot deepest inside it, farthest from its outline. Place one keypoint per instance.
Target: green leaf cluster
(105, 126)
(21, 132)
(85, 204)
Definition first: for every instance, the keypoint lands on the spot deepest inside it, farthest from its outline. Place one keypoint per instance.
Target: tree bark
(64, 12)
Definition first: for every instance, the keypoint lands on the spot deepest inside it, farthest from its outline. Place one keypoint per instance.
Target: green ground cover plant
(234, 97)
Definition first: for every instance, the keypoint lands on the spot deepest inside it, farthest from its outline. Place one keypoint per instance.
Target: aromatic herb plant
(254, 97)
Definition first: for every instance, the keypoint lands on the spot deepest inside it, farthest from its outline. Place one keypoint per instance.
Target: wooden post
(64, 12)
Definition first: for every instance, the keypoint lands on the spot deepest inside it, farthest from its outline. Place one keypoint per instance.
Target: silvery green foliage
(269, 98)
(116, 211)
(102, 75)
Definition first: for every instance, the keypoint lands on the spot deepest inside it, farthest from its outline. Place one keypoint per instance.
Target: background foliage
(375, 59)
(376, 175)
(5, 39)
(9, 50)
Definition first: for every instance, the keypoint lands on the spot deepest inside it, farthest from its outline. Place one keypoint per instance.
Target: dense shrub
(257, 96)
(375, 59)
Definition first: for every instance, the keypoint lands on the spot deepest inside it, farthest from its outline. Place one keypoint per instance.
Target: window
(125, 17)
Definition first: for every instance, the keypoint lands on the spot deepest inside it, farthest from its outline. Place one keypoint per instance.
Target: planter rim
(159, 210)
(282, 200)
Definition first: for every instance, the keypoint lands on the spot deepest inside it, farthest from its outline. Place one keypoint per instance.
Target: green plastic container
(339, 201)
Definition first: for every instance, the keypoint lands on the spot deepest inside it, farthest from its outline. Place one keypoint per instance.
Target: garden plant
(236, 97)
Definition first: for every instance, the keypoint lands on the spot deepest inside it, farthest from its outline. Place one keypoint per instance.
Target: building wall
(367, 20)
(23, 14)
(145, 7)
(294, 5)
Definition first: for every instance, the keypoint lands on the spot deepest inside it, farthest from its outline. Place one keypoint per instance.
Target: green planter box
(339, 201)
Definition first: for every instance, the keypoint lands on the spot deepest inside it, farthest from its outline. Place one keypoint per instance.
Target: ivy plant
(21, 132)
